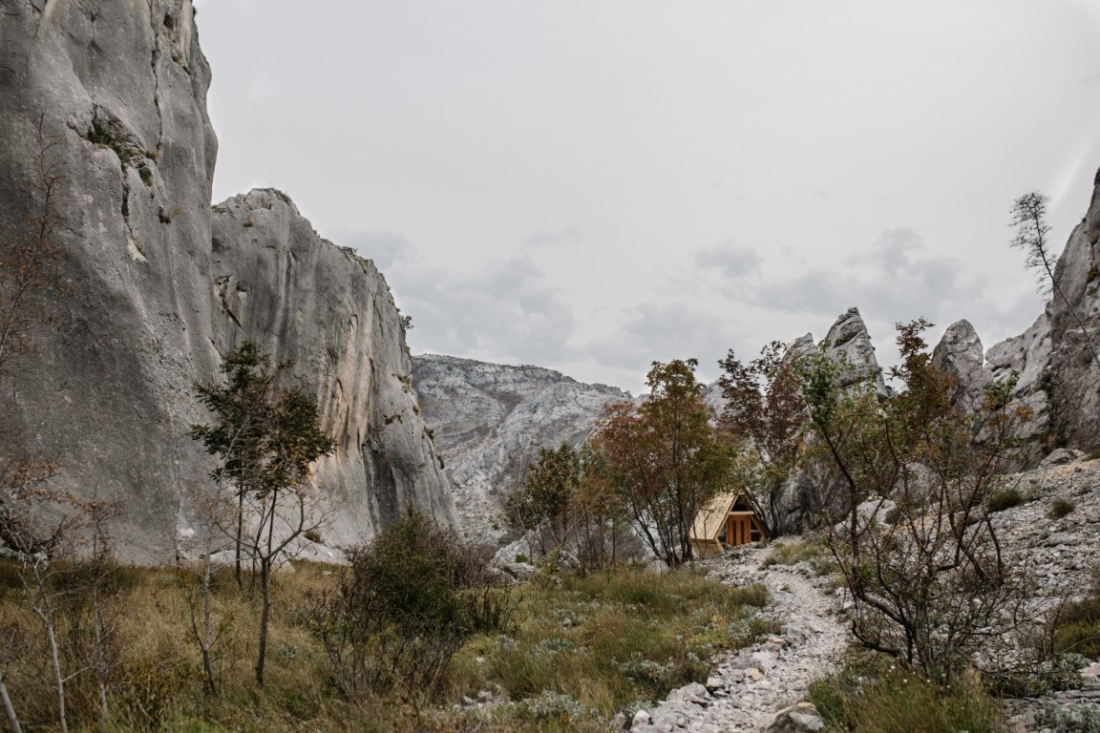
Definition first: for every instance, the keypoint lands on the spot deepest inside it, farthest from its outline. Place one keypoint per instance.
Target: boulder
(800, 718)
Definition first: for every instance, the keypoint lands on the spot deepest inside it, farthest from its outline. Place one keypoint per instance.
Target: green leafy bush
(404, 606)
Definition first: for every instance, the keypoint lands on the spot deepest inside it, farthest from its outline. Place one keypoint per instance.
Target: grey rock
(1061, 456)
(959, 354)
(694, 693)
(850, 343)
(1059, 377)
(800, 718)
(155, 302)
(489, 421)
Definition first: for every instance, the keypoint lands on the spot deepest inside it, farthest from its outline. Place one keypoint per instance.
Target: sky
(592, 185)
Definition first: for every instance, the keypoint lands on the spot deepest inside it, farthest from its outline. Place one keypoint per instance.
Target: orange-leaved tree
(664, 459)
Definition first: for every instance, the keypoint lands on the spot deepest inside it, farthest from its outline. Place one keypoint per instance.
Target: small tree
(766, 410)
(1029, 217)
(567, 506)
(404, 606)
(663, 459)
(541, 506)
(266, 439)
(931, 584)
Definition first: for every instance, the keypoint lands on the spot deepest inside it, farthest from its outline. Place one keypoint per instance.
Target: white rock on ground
(749, 687)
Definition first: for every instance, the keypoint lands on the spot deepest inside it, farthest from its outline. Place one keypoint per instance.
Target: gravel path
(749, 686)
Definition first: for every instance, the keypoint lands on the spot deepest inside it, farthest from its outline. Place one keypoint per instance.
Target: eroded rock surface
(120, 90)
(1056, 358)
(489, 421)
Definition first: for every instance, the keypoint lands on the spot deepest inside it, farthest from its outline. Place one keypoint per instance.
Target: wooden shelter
(728, 520)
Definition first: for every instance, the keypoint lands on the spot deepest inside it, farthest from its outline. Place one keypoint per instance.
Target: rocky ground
(1062, 552)
(748, 688)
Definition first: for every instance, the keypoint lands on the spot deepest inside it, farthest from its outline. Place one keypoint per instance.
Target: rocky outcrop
(330, 312)
(153, 304)
(1055, 360)
(849, 344)
(489, 421)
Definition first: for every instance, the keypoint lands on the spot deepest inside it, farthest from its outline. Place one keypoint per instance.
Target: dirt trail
(749, 686)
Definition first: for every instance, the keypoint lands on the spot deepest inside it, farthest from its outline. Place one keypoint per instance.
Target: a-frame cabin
(728, 520)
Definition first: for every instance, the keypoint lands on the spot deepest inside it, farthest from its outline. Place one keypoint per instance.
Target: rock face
(1059, 377)
(490, 420)
(275, 281)
(849, 344)
(155, 301)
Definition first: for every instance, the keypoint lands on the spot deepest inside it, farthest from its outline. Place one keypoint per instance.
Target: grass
(1060, 508)
(582, 649)
(1077, 629)
(1004, 499)
(810, 550)
(871, 695)
(614, 641)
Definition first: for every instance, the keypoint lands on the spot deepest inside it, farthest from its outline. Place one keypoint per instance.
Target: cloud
(728, 259)
(502, 310)
(387, 249)
(570, 234)
(894, 279)
(660, 330)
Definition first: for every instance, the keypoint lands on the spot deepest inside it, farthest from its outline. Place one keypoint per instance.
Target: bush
(895, 699)
(1077, 628)
(1076, 719)
(808, 549)
(1060, 508)
(1003, 499)
(405, 606)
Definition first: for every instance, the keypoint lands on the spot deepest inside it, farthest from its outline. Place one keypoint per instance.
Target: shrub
(1060, 508)
(809, 550)
(1077, 628)
(405, 606)
(897, 699)
(1079, 718)
(1003, 499)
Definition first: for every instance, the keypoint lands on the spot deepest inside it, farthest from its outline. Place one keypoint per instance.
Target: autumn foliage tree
(663, 459)
(930, 582)
(766, 413)
(567, 509)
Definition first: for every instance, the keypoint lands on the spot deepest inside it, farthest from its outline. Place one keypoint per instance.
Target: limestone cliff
(154, 301)
(490, 420)
(1059, 378)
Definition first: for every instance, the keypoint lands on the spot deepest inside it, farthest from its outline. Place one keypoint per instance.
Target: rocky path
(748, 687)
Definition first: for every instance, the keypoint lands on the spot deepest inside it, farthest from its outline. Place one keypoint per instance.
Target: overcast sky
(590, 185)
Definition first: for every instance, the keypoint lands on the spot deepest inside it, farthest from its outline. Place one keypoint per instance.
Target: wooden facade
(727, 521)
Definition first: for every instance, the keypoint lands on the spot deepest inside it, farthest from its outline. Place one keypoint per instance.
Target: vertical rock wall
(120, 90)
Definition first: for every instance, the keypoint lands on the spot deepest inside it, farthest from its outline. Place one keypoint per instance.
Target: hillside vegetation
(564, 652)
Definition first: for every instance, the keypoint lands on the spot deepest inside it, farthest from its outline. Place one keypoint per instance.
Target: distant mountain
(489, 421)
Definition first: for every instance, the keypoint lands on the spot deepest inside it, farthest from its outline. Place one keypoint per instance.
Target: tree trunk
(56, 658)
(206, 643)
(13, 719)
(265, 587)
